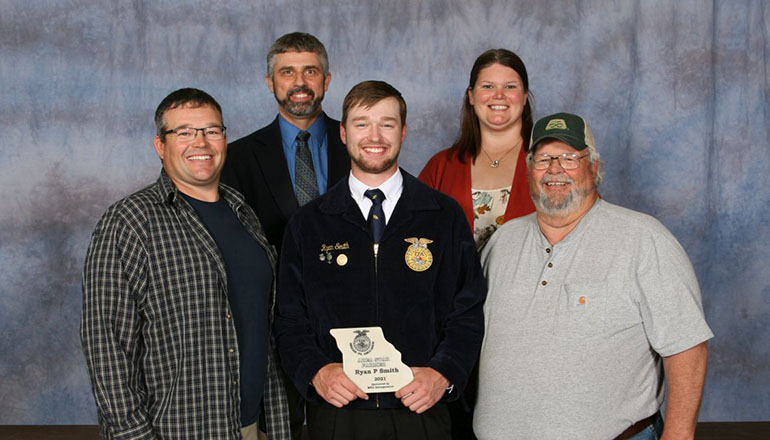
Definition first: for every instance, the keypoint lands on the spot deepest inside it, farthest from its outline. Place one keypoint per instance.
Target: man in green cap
(588, 305)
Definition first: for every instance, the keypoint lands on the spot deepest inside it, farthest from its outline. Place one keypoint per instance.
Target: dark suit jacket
(256, 166)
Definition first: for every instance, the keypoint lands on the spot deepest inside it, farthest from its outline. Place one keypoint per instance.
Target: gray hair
(297, 42)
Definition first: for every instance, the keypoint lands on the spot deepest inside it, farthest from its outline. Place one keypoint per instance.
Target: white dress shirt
(392, 189)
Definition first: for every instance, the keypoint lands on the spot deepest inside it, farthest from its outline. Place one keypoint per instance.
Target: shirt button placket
(544, 282)
(231, 350)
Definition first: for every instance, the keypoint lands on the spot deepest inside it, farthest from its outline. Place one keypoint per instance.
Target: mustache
(300, 89)
(559, 179)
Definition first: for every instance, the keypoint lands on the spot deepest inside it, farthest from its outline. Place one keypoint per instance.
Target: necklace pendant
(495, 164)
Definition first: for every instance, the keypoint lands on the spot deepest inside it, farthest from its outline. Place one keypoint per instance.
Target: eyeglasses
(187, 134)
(568, 161)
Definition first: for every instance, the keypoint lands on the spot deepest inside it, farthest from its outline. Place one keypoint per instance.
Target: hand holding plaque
(370, 361)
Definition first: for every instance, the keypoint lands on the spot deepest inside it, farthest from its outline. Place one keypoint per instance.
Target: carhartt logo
(556, 124)
(580, 301)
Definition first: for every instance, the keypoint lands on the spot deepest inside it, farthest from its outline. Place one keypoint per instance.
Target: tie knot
(303, 136)
(375, 195)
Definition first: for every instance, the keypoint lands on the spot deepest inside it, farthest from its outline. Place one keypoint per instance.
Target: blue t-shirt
(249, 284)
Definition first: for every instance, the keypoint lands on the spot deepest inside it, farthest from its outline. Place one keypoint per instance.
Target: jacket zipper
(376, 248)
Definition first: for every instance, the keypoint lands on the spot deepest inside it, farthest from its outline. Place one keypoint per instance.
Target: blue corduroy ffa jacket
(433, 317)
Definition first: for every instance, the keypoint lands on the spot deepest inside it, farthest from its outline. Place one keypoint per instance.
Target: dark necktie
(306, 187)
(376, 215)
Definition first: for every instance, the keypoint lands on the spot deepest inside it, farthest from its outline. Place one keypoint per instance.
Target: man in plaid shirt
(178, 293)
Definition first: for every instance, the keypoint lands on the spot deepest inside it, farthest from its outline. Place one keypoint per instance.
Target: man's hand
(333, 385)
(427, 388)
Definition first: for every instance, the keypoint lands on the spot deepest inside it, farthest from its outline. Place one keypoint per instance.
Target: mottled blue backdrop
(676, 91)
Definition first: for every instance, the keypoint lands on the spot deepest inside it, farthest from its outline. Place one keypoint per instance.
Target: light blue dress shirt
(317, 144)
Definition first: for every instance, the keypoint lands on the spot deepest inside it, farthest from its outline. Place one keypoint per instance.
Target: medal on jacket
(418, 257)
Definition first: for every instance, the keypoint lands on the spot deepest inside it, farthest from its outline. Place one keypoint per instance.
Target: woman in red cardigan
(485, 170)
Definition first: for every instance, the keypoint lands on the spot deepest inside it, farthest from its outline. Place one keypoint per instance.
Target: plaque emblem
(361, 344)
(418, 257)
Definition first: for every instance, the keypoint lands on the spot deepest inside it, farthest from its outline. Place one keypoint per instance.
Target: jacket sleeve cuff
(305, 374)
(454, 374)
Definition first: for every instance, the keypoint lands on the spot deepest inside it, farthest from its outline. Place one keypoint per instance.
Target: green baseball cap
(566, 127)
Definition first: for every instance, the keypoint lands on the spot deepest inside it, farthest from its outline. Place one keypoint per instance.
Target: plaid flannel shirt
(157, 331)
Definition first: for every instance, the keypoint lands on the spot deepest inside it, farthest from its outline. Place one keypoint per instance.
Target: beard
(373, 167)
(301, 109)
(557, 205)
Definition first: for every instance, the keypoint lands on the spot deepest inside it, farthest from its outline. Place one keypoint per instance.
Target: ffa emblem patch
(361, 344)
(418, 257)
(556, 124)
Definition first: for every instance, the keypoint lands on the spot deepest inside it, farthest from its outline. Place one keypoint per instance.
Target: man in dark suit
(279, 168)
(294, 159)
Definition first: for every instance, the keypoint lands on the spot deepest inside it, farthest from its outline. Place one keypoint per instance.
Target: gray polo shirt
(575, 332)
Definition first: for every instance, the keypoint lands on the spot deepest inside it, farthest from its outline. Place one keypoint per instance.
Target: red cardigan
(454, 179)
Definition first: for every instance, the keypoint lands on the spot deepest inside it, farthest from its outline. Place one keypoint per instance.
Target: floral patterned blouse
(488, 212)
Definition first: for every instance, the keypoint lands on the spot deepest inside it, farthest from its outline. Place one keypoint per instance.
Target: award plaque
(370, 361)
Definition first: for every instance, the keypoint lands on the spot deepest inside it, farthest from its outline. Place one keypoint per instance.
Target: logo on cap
(556, 124)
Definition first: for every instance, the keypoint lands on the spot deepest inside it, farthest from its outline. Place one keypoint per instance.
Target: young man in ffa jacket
(379, 249)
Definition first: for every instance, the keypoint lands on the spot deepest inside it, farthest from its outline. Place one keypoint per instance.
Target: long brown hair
(468, 141)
